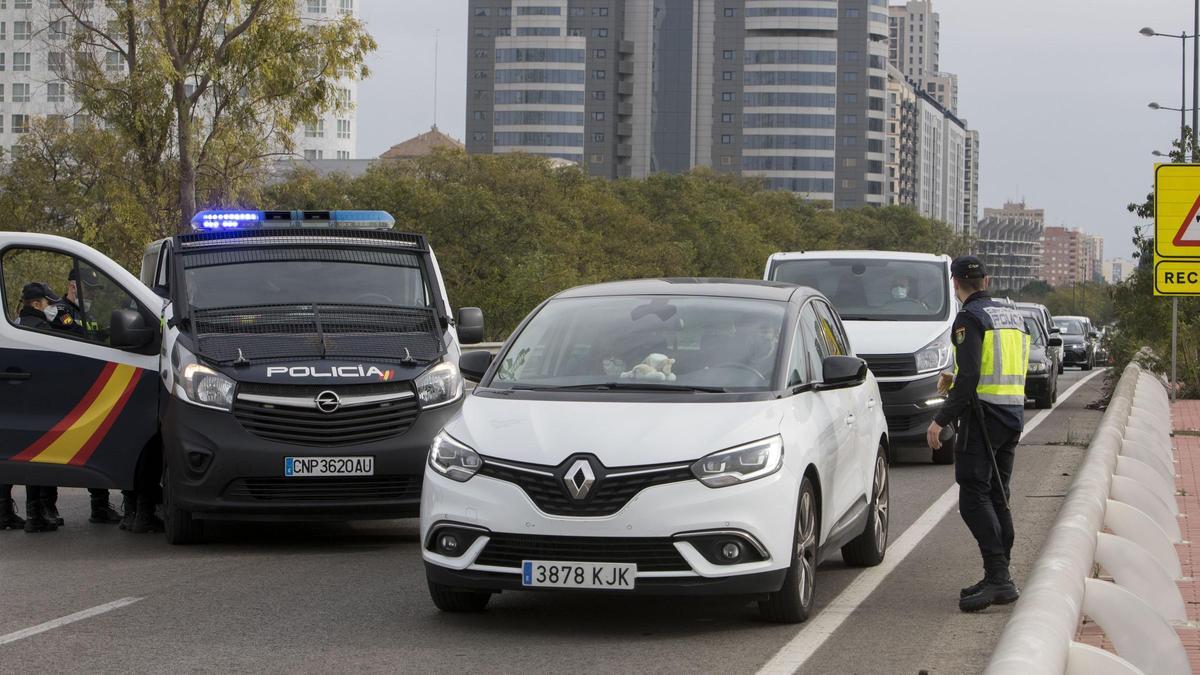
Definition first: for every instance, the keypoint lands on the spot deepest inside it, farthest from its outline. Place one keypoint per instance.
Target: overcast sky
(1057, 88)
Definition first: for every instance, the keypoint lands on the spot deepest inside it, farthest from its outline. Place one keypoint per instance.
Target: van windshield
(874, 290)
(256, 284)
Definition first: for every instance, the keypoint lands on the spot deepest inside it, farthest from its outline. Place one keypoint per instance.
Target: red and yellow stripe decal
(75, 437)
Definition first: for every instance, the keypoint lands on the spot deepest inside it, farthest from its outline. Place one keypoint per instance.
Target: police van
(270, 365)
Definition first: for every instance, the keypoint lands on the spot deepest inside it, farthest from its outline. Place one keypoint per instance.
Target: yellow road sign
(1177, 229)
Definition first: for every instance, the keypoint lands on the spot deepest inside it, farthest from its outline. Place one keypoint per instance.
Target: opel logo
(328, 402)
(579, 479)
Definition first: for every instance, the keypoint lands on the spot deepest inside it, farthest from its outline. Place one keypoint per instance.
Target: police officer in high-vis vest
(991, 351)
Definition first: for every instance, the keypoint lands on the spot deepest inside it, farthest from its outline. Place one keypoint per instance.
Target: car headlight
(741, 464)
(439, 385)
(452, 459)
(198, 384)
(936, 355)
(1037, 367)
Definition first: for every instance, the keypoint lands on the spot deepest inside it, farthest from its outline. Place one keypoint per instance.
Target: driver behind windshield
(901, 286)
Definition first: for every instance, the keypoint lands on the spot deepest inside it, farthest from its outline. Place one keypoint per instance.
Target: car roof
(1076, 318)
(868, 255)
(697, 286)
(1032, 305)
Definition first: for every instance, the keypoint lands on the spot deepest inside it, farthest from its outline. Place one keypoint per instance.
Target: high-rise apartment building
(971, 183)
(915, 31)
(33, 40)
(1069, 256)
(792, 91)
(1010, 244)
(901, 140)
(1093, 254)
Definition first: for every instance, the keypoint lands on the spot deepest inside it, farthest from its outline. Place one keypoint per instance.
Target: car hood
(892, 337)
(1037, 354)
(618, 433)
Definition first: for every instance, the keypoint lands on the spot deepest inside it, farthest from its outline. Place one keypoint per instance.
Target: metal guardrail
(493, 347)
(1125, 485)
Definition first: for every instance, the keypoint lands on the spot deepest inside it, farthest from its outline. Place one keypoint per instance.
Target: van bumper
(909, 406)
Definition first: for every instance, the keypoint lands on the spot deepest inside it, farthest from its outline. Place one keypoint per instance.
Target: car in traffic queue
(1046, 319)
(1041, 379)
(669, 436)
(1079, 341)
(273, 365)
(898, 309)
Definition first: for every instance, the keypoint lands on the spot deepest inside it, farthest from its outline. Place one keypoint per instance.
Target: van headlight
(439, 385)
(453, 459)
(198, 384)
(936, 355)
(741, 464)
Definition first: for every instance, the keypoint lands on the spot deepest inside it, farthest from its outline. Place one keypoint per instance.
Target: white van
(897, 309)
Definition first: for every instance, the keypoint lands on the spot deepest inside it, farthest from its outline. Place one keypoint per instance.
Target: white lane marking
(70, 618)
(793, 655)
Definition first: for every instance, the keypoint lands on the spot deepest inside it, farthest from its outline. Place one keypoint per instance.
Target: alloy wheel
(806, 547)
(881, 503)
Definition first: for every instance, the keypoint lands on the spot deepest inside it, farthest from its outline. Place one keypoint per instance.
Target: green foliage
(510, 230)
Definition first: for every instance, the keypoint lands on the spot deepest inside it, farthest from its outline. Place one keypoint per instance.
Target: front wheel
(180, 527)
(450, 599)
(793, 603)
(868, 548)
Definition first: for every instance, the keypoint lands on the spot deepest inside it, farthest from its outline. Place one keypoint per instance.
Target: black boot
(129, 506)
(50, 506)
(9, 520)
(35, 517)
(997, 588)
(102, 512)
(145, 520)
(972, 589)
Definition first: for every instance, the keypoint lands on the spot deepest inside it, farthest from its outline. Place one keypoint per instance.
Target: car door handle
(14, 376)
(871, 402)
(849, 420)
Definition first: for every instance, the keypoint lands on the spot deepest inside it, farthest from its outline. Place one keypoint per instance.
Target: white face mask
(899, 292)
(51, 312)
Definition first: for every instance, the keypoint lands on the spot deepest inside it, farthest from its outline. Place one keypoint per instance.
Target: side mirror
(1054, 341)
(1055, 329)
(842, 372)
(469, 325)
(1093, 335)
(162, 291)
(474, 364)
(128, 330)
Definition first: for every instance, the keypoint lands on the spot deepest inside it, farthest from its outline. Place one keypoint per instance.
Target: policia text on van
(271, 365)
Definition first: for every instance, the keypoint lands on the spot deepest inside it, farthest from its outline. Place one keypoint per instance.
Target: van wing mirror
(469, 325)
(474, 364)
(842, 372)
(128, 330)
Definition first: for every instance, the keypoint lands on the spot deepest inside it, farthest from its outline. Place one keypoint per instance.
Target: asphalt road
(334, 598)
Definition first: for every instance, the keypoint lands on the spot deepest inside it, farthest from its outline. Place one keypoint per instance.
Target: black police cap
(38, 290)
(90, 278)
(968, 267)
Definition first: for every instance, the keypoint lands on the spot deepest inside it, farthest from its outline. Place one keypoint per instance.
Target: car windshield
(670, 343)
(874, 290)
(1069, 326)
(262, 283)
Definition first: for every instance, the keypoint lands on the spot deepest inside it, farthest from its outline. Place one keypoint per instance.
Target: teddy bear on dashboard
(655, 367)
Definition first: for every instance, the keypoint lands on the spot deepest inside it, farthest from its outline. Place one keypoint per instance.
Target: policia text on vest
(991, 355)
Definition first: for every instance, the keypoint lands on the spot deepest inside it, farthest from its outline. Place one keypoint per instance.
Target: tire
(794, 601)
(1047, 400)
(868, 548)
(450, 599)
(180, 528)
(1087, 365)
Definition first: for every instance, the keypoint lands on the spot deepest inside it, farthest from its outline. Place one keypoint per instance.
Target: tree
(213, 87)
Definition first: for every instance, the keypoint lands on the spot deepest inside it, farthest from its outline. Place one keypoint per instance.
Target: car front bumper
(1072, 357)
(1037, 384)
(909, 406)
(761, 512)
(222, 471)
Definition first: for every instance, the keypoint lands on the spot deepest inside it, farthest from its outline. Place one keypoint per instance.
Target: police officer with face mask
(991, 355)
(37, 312)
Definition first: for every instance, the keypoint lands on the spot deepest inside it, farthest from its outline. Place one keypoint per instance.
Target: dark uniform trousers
(980, 501)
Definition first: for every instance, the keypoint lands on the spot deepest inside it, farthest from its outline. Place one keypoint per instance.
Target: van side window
(86, 296)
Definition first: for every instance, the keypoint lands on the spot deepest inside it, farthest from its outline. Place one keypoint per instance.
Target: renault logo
(579, 479)
(328, 402)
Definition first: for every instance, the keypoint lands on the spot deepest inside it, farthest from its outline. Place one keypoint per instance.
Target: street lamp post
(1183, 37)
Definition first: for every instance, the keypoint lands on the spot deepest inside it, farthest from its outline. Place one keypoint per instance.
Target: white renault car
(676, 436)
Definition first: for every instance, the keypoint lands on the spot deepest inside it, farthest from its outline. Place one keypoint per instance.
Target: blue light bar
(212, 221)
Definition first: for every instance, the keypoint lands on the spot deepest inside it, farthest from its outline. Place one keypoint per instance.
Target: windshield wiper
(626, 386)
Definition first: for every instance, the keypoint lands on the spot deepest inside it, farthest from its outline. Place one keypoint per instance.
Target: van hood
(892, 337)
(618, 433)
